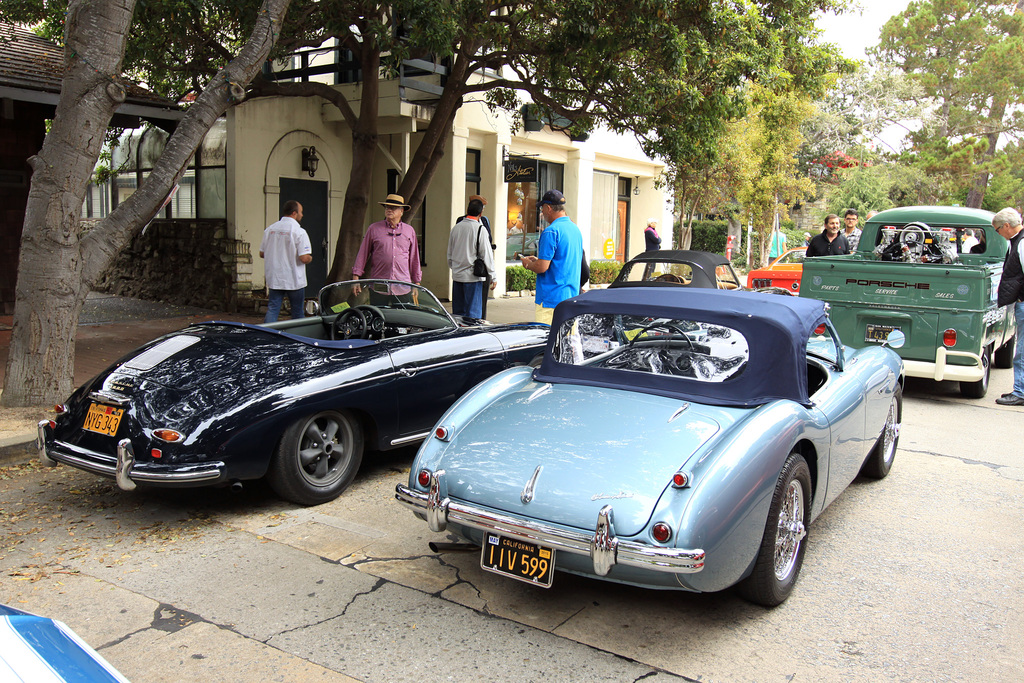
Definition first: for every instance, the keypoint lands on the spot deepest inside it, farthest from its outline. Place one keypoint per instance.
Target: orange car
(784, 272)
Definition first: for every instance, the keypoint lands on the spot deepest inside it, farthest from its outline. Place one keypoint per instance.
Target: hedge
(603, 272)
(707, 236)
(518, 279)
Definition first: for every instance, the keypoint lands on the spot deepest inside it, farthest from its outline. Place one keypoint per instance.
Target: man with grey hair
(1011, 292)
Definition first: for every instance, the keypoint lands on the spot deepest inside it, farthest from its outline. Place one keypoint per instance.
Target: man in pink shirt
(390, 247)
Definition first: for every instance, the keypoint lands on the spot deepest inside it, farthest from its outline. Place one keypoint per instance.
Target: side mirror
(896, 339)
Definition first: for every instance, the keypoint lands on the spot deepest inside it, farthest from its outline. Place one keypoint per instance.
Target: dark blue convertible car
(295, 401)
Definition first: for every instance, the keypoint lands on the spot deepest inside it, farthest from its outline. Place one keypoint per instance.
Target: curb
(17, 450)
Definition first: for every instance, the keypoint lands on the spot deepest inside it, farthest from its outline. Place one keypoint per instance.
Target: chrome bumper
(602, 546)
(123, 469)
(941, 370)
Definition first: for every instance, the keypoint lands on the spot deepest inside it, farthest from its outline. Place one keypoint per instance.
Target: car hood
(589, 447)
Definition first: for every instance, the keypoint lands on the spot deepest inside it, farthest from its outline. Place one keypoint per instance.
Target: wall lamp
(310, 160)
(636, 186)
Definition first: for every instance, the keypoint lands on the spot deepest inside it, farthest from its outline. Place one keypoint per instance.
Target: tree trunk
(58, 265)
(431, 149)
(977, 193)
(50, 292)
(364, 151)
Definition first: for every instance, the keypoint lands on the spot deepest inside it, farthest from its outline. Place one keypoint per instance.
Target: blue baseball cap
(553, 197)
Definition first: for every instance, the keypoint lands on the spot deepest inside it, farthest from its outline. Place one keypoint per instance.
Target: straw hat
(395, 200)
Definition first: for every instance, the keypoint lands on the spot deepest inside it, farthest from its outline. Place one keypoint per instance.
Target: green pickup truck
(917, 269)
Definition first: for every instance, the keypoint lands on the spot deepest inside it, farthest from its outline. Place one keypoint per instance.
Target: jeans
(1018, 354)
(296, 298)
(466, 299)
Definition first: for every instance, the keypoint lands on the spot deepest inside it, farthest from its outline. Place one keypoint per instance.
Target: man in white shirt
(468, 242)
(287, 250)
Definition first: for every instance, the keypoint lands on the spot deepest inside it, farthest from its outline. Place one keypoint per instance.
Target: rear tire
(881, 457)
(785, 537)
(317, 459)
(1003, 357)
(980, 388)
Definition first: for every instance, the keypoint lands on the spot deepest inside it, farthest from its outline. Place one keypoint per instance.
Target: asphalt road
(913, 578)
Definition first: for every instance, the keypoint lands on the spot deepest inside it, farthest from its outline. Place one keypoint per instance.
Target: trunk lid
(594, 446)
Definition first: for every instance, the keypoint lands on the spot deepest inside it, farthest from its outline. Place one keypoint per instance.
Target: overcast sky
(858, 30)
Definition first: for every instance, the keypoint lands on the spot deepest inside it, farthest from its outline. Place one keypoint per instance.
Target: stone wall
(809, 216)
(190, 262)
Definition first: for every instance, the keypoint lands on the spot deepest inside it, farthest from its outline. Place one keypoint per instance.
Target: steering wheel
(351, 324)
(679, 334)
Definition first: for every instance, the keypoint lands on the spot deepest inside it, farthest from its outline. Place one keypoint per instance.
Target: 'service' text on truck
(917, 269)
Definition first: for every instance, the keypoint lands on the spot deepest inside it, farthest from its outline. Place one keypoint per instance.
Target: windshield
(384, 294)
(661, 346)
(643, 271)
(791, 257)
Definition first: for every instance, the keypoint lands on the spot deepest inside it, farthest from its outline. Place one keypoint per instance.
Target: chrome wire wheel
(890, 433)
(880, 459)
(784, 543)
(791, 531)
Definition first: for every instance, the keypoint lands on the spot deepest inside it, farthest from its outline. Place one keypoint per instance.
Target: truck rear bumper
(940, 370)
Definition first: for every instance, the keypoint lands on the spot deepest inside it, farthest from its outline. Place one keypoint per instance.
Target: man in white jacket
(467, 243)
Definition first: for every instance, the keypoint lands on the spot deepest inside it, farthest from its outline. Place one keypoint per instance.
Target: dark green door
(312, 194)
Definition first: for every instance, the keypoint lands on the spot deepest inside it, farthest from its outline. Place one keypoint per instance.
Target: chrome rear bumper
(602, 546)
(941, 370)
(123, 468)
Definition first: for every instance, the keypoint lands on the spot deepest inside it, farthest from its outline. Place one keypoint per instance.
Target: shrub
(707, 236)
(604, 272)
(518, 279)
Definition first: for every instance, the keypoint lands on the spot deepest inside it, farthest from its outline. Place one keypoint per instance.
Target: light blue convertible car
(671, 438)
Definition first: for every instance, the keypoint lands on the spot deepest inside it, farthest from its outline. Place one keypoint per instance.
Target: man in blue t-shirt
(559, 257)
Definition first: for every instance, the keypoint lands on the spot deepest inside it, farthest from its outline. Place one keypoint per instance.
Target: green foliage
(861, 188)
(884, 186)
(518, 279)
(708, 236)
(604, 272)
(772, 136)
(968, 57)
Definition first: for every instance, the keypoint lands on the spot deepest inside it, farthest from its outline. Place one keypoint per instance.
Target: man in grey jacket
(467, 243)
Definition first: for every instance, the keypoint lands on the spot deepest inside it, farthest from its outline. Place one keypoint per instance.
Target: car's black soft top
(702, 264)
(777, 329)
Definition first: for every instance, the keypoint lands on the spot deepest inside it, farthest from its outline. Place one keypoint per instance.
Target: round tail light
(423, 478)
(661, 532)
(442, 433)
(949, 338)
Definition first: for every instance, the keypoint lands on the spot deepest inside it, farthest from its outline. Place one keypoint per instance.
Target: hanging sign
(520, 170)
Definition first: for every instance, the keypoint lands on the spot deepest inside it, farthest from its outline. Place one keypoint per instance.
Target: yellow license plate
(103, 419)
(527, 562)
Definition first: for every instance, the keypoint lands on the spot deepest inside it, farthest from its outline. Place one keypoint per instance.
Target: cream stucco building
(252, 162)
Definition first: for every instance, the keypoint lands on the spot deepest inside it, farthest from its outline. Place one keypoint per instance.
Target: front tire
(881, 457)
(1003, 357)
(980, 388)
(317, 459)
(782, 548)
